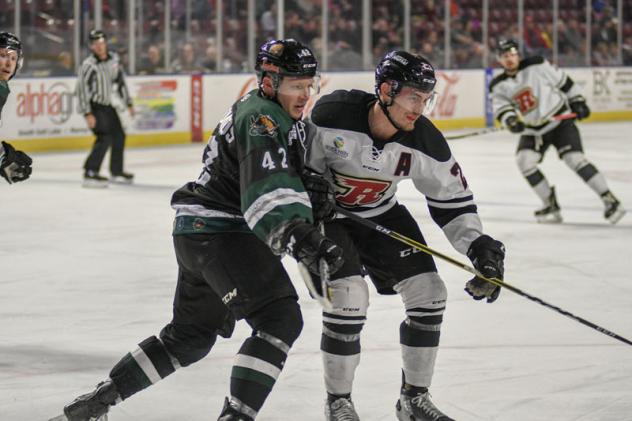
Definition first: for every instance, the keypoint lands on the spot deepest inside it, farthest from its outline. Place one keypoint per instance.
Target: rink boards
(41, 113)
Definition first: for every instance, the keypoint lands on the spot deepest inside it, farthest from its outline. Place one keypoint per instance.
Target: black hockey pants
(109, 133)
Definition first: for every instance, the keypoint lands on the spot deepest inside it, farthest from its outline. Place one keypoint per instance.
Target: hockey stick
(323, 268)
(324, 298)
(559, 117)
(495, 281)
(476, 133)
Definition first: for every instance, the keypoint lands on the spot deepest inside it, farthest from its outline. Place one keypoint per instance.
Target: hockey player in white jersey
(525, 98)
(365, 145)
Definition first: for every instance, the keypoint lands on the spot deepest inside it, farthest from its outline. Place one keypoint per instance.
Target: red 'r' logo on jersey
(526, 100)
(353, 191)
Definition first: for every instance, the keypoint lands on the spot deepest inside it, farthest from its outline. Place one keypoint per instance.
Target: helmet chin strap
(276, 82)
(384, 108)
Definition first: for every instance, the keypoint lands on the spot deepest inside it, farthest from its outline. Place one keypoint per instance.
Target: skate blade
(121, 180)
(616, 217)
(552, 218)
(398, 411)
(93, 184)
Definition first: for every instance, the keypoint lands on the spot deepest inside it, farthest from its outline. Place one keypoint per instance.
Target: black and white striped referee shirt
(97, 80)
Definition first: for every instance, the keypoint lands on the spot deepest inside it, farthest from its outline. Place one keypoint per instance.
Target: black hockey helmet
(507, 45)
(286, 57)
(12, 42)
(400, 68)
(96, 34)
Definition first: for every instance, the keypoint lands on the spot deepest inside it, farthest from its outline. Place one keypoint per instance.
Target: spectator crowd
(47, 30)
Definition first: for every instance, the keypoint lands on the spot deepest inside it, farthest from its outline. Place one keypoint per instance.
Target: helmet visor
(423, 84)
(509, 52)
(414, 100)
(299, 86)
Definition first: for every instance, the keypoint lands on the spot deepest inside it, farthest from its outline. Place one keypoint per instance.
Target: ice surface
(87, 274)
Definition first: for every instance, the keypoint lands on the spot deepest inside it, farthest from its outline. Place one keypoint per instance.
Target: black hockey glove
(321, 194)
(580, 108)
(487, 256)
(514, 124)
(14, 165)
(307, 245)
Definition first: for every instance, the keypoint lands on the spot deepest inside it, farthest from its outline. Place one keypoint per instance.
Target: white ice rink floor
(87, 274)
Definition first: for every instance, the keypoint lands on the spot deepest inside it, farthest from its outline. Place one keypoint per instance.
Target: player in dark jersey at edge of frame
(365, 144)
(525, 97)
(14, 165)
(247, 208)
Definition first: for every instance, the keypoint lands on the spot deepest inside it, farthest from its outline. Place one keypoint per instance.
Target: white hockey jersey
(537, 92)
(365, 172)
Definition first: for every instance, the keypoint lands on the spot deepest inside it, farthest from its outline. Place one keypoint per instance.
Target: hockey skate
(92, 179)
(614, 211)
(93, 406)
(229, 413)
(419, 407)
(122, 178)
(550, 213)
(340, 409)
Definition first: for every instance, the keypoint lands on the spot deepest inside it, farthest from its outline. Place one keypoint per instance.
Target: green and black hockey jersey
(4, 94)
(250, 180)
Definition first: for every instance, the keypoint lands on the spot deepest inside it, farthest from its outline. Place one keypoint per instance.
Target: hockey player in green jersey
(247, 208)
(14, 165)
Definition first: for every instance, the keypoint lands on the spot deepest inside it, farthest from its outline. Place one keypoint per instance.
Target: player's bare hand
(91, 120)
(132, 113)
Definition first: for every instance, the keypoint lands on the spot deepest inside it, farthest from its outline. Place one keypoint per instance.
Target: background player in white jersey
(366, 144)
(248, 207)
(14, 165)
(525, 98)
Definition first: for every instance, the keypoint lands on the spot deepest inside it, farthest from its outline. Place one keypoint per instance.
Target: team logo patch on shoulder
(338, 147)
(263, 125)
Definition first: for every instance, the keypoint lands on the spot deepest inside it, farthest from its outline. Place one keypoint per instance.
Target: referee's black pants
(109, 133)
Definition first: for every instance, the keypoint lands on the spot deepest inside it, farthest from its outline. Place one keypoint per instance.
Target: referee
(100, 75)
